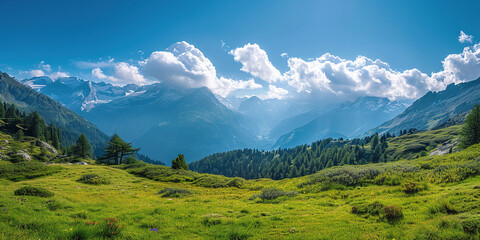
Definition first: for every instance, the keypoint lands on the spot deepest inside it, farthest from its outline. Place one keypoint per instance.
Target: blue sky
(404, 34)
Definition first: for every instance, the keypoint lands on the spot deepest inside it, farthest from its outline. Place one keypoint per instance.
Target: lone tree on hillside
(116, 150)
(471, 128)
(179, 162)
(82, 148)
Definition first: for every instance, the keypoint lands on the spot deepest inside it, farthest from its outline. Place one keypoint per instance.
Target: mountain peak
(434, 108)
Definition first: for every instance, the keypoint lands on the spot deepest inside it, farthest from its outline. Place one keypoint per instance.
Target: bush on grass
(33, 191)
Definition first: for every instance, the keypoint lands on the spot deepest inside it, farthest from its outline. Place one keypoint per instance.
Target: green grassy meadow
(438, 197)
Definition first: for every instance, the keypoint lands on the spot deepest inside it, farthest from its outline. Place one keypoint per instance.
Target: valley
(239, 120)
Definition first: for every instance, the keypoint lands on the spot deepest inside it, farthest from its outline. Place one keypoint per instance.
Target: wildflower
(4, 210)
(71, 229)
(154, 229)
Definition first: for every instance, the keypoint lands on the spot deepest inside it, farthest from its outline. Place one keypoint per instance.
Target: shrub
(442, 206)
(111, 228)
(80, 234)
(174, 192)
(455, 173)
(271, 193)
(414, 147)
(372, 209)
(244, 211)
(213, 181)
(15, 158)
(210, 221)
(388, 179)
(290, 193)
(54, 205)
(93, 179)
(471, 225)
(237, 182)
(254, 196)
(391, 213)
(33, 191)
(412, 188)
(238, 235)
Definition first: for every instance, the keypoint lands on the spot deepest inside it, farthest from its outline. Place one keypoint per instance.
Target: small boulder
(47, 146)
(81, 163)
(25, 155)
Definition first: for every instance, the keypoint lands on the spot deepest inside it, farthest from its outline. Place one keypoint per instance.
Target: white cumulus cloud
(123, 74)
(255, 61)
(44, 69)
(461, 67)
(36, 73)
(184, 65)
(57, 75)
(44, 66)
(275, 92)
(367, 77)
(360, 77)
(464, 37)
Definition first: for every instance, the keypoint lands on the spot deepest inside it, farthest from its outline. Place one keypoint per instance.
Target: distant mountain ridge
(77, 94)
(349, 120)
(71, 124)
(434, 108)
(165, 121)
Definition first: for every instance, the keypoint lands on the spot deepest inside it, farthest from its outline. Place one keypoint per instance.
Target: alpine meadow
(239, 120)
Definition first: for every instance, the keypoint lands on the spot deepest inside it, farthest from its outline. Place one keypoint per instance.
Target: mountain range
(71, 124)
(166, 121)
(349, 120)
(435, 108)
(77, 94)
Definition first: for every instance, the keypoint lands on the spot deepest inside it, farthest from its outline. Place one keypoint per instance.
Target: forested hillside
(72, 125)
(435, 108)
(307, 159)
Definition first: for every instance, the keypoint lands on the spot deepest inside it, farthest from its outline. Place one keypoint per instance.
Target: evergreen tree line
(470, 133)
(19, 125)
(298, 161)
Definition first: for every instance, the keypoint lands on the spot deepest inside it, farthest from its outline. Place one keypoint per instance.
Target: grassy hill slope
(432, 197)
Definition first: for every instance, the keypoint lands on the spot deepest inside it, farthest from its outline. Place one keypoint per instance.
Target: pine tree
(116, 150)
(179, 163)
(19, 135)
(36, 125)
(82, 148)
(374, 141)
(55, 137)
(471, 128)
(2, 111)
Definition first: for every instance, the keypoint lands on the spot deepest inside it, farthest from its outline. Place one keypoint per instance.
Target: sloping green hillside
(72, 125)
(434, 108)
(307, 159)
(432, 197)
